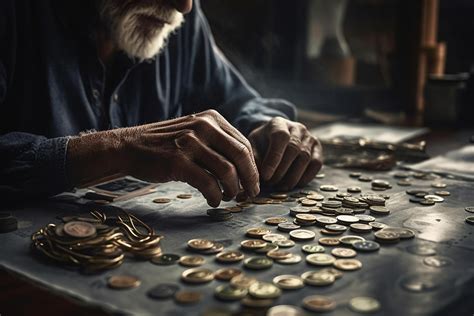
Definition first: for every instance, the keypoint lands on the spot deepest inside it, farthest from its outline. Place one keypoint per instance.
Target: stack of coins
(97, 243)
(219, 214)
(380, 185)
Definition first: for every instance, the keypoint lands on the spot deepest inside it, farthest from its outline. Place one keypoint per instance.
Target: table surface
(384, 274)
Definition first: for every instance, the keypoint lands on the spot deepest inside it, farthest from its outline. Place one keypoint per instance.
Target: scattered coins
(122, 282)
(253, 244)
(264, 290)
(200, 244)
(288, 282)
(230, 256)
(191, 261)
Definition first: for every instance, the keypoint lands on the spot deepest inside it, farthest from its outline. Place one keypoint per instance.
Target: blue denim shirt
(52, 86)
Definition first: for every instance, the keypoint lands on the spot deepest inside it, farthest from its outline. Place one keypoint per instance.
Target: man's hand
(203, 150)
(286, 153)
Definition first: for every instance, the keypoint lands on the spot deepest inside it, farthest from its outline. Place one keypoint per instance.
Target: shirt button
(96, 93)
(116, 97)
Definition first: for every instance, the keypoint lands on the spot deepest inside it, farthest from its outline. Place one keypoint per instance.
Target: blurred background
(391, 61)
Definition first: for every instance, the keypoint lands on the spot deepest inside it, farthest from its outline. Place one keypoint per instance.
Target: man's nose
(183, 6)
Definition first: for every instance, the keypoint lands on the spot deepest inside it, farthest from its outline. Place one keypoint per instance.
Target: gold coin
(234, 209)
(264, 290)
(249, 301)
(343, 252)
(242, 281)
(328, 241)
(279, 254)
(288, 282)
(261, 200)
(79, 229)
(337, 273)
(275, 220)
(230, 256)
(308, 202)
(184, 196)
(258, 263)
(279, 195)
(200, 244)
(364, 304)
(320, 259)
(318, 278)
(348, 264)
(315, 196)
(348, 240)
(258, 232)
(274, 237)
(191, 261)
(318, 303)
(226, 274)
(253, 244)
(197, 275)
(161, 200)
(187, 297)
(121, 282)
(229, 293)
(386, 236)
(294, 259)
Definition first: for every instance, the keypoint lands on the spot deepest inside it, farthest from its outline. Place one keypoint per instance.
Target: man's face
(140, 27)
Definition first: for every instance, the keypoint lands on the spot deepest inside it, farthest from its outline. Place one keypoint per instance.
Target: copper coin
(230, 256)
(184, 196)
(226, 274)
(197, 275)
(161, 200)
(258, 232)
(79, 229)
(253, 244)
(122, 282)
(318, 303)
(347, 264)
(200, 244)
(328, 241)
(191, 261)
(187, 297)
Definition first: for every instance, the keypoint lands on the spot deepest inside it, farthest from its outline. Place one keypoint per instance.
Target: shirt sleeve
(30, 165)
(214, 82)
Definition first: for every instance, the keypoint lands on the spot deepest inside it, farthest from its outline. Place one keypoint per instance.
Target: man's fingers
(220, 167)
(197, 177)
(313, 167)
(278, 140)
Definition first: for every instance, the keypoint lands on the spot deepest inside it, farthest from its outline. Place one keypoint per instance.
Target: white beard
(132, 35)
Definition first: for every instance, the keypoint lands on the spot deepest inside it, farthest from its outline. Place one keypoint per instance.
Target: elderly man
(92, 88)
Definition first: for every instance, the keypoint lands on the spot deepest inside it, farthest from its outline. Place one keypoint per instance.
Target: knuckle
(186, 139)
(280, 135)
(228, 171)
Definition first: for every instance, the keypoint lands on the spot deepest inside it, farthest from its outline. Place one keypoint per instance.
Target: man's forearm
(95, 156)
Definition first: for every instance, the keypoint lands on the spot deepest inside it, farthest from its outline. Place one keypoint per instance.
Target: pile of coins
(97, 243)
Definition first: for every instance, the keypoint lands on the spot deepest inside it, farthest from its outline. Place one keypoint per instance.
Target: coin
(312, 248)
(287, 227)
(427, 202)
(253, 244)
(161, 200)
(229, 293)
(439, 185)
(366, 245)
(325, 220)
(275, 220)
(218, 247)
(379, 210)
(163, 291)
(318, 278)
(306, 218)
(320, 259)
(165, 259)
(191, 261)
(308, 202)
(302, 234)
(230, 256)
(347, 264)
(219, 214)
(434, 197)
(377, 225)
(354, 189)
(365, 178)
(79, 229)
(273, 237)
(469, 209)
(197, 275)
(365, 218)
(264, 290)
(404, 183)
(470, 220)
(319, 304)
(184, 196)
(294, 259)
(226, 274)
(278, 254)
(364, 304)
(443, 193)
(315, 196)
(328, 241)
(355, 174)
(267, 248)
(278, 195)
(122, 282)
(258, 263)
(330, 232)
(336, 228)
(404, 233)
(348, 240)
(337, 273)
(287, 243)
(258, 232)
(288, 282)
(242, 281)
(386, 236)
(187, 297)
(361, 228)
(343, 253)
(234, 209)
(328, 188)
(347, 219)
(200, 244)
(285, 310)
(251, 302)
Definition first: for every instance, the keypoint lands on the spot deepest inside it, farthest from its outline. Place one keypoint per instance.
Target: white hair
(129, 31)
